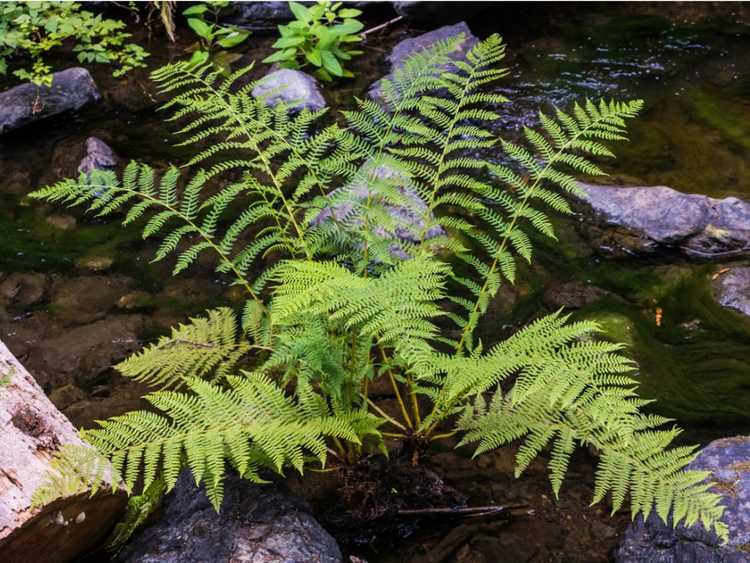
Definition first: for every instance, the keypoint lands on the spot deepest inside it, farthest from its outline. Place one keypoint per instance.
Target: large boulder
(291, 87)
(71, 90)
(408, 47)
(256, 524)
(658, 217)
(652, 541)
(732, 289)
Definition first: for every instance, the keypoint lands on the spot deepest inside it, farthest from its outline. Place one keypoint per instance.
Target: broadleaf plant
(214, 39)
(319, 36)
(32, 29)
(371, 250)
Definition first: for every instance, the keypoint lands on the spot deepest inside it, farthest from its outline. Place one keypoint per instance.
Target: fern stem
(385, 415)
(401, 404)
(414, 403)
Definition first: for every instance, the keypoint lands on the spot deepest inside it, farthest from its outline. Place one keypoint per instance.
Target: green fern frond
(206, 347)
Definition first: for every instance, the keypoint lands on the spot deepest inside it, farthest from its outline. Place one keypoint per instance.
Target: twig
(381, 26)
(471, 511)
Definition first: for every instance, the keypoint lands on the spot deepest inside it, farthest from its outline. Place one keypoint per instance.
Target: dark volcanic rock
(733, 289)
(71, 89)
(404, 49)
(292, 87)
(659, 217)
(256, 524)
(728, 460)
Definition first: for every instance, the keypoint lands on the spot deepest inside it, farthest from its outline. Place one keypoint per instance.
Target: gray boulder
(99, 156)
(658, 217)
(292, 87)
(71, 90)
(733, 289)
(404, 49)
(256, 524)
(652, 541)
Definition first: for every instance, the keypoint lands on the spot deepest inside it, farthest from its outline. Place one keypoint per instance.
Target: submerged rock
(71, 90)
(292, 87)
(659, 217)
(22, 289)
(733, 289)
(408, 47)
(256, 524)
(408, 220)
(99, 156)
(728, 460)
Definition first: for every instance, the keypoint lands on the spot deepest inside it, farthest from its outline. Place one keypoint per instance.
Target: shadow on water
(694, 137)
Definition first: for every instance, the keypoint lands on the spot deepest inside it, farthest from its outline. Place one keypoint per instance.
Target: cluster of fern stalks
(370, 247)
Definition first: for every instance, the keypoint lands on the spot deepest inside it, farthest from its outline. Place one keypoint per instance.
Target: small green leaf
(201, 28)
(314, 57)
(278, 56)
(300, 12)
(331, 63)
(233, 39)
(195, 10)
(349, 13)
(292, 41)
(349, 27)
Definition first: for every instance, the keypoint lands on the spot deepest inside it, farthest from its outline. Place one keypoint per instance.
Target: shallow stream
(694, 355)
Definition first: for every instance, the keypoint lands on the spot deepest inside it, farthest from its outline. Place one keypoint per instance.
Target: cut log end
(31, 431)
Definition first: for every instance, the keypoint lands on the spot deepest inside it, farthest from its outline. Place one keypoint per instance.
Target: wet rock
(85, 299)
(260, 17)
(62, 222)
(573, 295)
(257, 523)
(99, 156)
(135, 300)
(654, 542)
(437, 13)
(293, 88)
(732, 289)
(119, 398)
(95, 263)
(22, 289)
(659, 217)
(64, 396)
(71, 90)
(408, 47)
(85, 355)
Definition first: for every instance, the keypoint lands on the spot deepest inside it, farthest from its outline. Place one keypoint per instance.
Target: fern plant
(370, 249)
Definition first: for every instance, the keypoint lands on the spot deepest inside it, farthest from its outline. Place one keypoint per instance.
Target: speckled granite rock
(256, 524)
(660, 217)
(404, 49)
(728, 460)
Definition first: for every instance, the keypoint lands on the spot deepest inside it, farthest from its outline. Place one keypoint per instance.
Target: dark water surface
(694, 137)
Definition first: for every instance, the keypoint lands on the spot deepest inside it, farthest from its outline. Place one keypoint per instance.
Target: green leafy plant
(342, 291)
(319, 36)
(34, 28)
(214, 39)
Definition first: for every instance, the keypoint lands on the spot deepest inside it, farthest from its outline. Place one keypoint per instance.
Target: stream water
(694, 137)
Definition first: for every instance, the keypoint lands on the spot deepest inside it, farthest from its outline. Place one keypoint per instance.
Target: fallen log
(31, 431)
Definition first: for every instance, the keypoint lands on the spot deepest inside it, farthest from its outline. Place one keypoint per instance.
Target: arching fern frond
(206, 348)
(253, 425)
